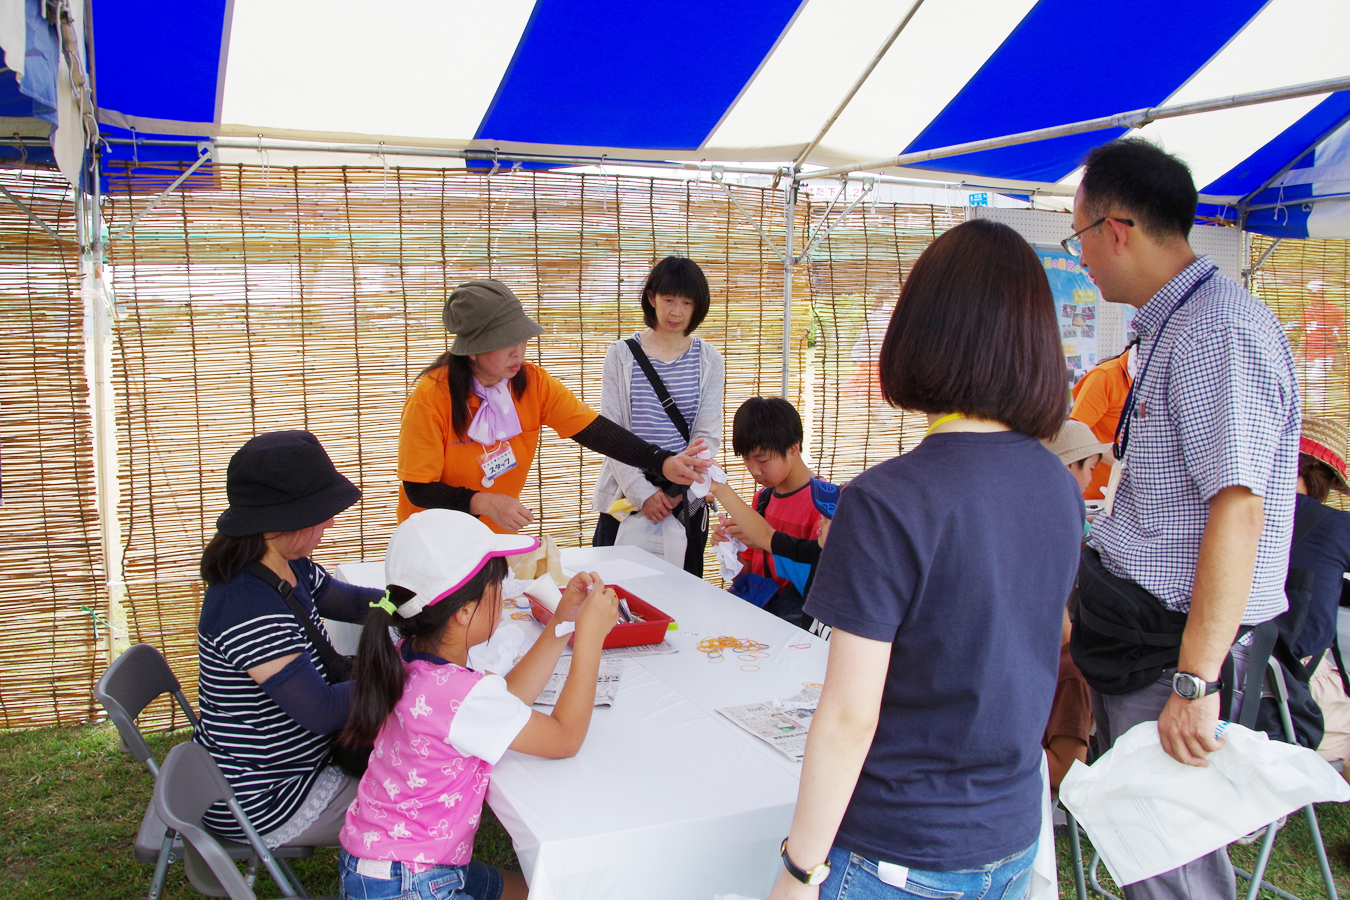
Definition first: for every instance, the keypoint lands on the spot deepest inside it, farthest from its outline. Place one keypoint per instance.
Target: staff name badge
(496, 462)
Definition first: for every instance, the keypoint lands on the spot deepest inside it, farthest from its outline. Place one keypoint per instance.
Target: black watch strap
(814, 876)
(1193, 687)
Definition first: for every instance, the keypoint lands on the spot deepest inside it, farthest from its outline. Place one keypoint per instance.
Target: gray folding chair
(189, 783)
(1274, 687)
(134, 680)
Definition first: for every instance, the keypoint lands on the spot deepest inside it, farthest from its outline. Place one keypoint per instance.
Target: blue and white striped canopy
(754, 81)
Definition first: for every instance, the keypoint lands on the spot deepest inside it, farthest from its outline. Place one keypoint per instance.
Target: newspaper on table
(660, 649)
(782, 724)
(606, 683)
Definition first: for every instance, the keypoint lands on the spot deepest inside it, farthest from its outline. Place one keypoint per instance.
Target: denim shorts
(475, 881)
(855, 878)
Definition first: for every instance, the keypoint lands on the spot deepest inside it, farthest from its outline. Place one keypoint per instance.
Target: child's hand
(599, 613)
(719, 529)
(824, 530)
(574, 595)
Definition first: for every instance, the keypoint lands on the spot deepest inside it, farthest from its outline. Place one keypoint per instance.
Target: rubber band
(521, 616)
(812, 684)
(740, 645)
(749, 668)
(747, 657)
(800, 646)
(759, 654)
(716, 659)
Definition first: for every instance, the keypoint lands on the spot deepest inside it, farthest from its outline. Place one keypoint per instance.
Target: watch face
(1186, 686)
(819, 874)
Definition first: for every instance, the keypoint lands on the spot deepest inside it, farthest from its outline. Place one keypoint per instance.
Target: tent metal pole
(1261, 261)
(98, 336)
(789, 214)
(857, 86)
(1311, 148)
(1133, 119)
(1302, 201)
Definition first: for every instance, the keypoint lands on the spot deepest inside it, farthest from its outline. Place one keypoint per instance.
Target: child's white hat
(435, 552)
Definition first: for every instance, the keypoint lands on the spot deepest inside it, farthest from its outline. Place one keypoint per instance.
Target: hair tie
(385, 604)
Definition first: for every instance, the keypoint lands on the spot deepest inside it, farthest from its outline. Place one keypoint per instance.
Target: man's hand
(507, 512)
(659, 505)
(1186, 728)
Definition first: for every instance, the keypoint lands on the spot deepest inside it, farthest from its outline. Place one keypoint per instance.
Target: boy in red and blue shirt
(785, 530)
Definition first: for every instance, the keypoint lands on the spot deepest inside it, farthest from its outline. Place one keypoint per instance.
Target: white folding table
(667, 798)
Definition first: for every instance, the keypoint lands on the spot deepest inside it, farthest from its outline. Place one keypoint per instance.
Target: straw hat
(1326, 440)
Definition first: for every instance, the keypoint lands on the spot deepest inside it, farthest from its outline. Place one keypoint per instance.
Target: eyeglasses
(1074, 247)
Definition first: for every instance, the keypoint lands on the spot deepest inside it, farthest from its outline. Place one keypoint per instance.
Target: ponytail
(379, 673)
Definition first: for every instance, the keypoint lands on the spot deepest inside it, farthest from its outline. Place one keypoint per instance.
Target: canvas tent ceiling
(751, 80)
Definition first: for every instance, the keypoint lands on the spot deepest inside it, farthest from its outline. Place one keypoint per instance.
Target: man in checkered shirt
(1203, 513)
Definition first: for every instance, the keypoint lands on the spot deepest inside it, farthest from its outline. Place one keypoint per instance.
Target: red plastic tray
(652, 630)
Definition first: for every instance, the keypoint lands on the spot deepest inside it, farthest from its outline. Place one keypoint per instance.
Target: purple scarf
(496, 419)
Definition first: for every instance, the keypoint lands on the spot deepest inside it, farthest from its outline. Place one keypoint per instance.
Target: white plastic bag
(666, 539)
(1147, 813)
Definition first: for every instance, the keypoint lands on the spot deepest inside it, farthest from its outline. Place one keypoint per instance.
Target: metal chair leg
(1320, 849)
(166, 858)
(1092, 877)
(1076, 855)
(290, 873)
(1257, 878)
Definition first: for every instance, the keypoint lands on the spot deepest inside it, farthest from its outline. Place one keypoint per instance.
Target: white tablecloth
(667, 799)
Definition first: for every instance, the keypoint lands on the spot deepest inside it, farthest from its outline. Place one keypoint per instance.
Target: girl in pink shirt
(438, 726)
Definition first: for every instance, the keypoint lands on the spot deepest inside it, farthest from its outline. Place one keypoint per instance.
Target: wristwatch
(813, 876)
(1192, 687)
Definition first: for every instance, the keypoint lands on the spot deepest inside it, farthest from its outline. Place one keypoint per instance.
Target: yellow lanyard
(951, 417)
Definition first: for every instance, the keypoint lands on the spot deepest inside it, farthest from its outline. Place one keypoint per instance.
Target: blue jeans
(855, 878)
(475, 881)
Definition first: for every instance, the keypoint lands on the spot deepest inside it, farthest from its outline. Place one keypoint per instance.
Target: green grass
(70, 804)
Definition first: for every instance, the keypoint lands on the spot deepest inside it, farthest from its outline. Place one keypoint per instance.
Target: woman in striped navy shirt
(270, 703)
(675, 301)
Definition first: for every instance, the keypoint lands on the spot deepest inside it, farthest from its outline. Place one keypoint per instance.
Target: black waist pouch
(1123, 637)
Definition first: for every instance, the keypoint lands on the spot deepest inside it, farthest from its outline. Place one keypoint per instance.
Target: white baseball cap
(435, 552)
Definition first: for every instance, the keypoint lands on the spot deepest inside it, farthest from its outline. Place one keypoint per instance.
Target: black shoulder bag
(667, 403)
(339, 667)
(352, 760)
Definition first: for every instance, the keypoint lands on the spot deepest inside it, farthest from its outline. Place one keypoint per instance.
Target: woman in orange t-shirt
(1098, 399)
(471, 426)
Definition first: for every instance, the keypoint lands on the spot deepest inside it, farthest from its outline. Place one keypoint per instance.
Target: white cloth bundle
(1148, 813)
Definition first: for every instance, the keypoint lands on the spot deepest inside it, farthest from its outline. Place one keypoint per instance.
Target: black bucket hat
(282, 481)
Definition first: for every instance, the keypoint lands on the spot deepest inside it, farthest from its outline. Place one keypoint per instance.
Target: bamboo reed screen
(1307, 284)
(50, 564)
(311, 298)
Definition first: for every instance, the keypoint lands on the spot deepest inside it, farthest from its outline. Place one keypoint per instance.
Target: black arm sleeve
(438, 496)
(605, 437)
(802, 550)
(346, 602)
(302, 693)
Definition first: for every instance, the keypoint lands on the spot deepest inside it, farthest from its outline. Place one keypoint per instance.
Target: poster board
(1046, 228)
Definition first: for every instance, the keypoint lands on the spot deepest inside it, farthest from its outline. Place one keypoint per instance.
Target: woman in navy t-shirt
(922, 770)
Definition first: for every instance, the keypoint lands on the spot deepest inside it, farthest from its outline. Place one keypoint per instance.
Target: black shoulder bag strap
(659, 386)
(339, 667)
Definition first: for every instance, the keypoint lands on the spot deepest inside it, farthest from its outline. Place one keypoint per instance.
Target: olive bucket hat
(282, 481)
(485, 316)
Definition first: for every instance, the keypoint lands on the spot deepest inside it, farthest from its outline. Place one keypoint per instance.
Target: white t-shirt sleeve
(488, 720)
